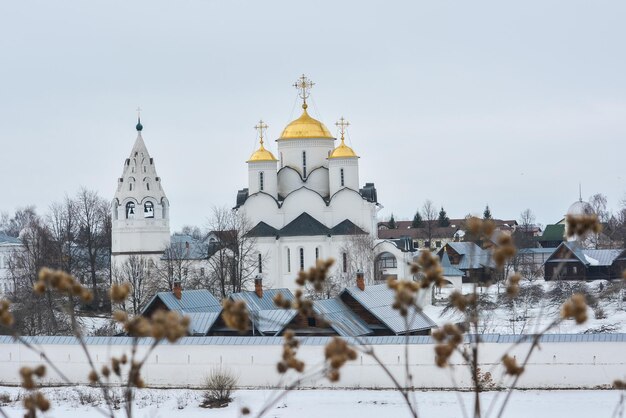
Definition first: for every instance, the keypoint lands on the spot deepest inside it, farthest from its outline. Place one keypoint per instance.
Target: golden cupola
(342, 151)
(261, 154)
(306, 127)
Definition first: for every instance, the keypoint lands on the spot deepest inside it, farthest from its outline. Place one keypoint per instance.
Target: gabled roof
(263, 230)
(472, 256)
(266, 317)
(588, 257)
(448, 269)
(554, 232)
(304, 225)
(200, 300)
(201, 322)
(344, 321)
(378, 300)
(346, 227)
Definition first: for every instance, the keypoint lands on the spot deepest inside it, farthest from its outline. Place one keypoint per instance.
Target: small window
(281, 160)
(144, 168)
(301, 259)
(147, 186)
(201, 271)
(130, 187)
(303, 163)
(288, 260)
(148, 210)
(260, 264)
(317, 253)
(342, 178)
(311, 321)
(575, 270)
(261, 181)
(185, 271)
(344, 257)
(130, 210)
(438, 244)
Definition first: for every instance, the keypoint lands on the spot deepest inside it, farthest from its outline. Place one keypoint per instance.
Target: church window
(344, 259)
(260, 264)
(261, 185)
(147, 186)
(301, 259)
(130, 210)
(317, 253)
(288, 260)
(144, 168)
(303, 163)
(342, 178)
(281, 160)
(148, 210)
(130, 186)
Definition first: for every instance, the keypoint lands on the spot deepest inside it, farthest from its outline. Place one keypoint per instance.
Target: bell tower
(140, 209)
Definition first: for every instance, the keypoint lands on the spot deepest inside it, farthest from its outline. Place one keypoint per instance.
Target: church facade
(305, 203)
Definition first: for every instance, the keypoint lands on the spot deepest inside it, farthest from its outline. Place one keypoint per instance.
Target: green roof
(554, 232)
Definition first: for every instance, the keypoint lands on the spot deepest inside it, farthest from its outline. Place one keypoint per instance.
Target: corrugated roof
(201, 322)
(386, 340)
(341, 318)
(378, 300)
(200, 300)
(448, 269)
(265, 315)
(472, 256)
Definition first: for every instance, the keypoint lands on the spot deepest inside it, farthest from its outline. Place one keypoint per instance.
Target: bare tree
(94, 237)
(233, 254)
(175, 265)
(63, 226)
(430, 215)
(136, 270)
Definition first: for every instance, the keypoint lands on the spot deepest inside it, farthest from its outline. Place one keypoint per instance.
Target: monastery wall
(560, 365)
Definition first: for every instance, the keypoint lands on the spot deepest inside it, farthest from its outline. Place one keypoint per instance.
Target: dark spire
(139, 126)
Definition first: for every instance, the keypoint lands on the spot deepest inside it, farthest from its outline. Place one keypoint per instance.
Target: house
(374, 306)
(200, 305)
(475, 262)
(8, 246)
(570, 261)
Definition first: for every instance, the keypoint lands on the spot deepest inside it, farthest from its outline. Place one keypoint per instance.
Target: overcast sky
(461, 102)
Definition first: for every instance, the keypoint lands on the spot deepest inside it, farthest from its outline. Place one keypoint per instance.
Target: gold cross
(261, 126)
(342, 124)
(303, 85)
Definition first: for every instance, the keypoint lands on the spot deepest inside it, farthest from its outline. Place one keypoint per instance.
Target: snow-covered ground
(163, 403)
(534, 317)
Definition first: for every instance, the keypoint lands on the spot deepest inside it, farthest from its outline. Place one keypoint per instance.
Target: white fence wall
(553, 365)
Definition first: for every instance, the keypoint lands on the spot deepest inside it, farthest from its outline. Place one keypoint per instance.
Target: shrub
(219, 386)
(5, 398)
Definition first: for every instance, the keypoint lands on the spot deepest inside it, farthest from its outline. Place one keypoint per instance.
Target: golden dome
(305, 127)
(343, 151)
(261, 155)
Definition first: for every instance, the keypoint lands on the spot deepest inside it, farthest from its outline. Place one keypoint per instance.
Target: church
(305, 203)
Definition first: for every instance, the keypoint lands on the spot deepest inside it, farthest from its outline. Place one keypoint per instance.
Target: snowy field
(155, 403)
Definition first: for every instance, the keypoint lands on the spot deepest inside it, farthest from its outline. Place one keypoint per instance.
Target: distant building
(8, 247)
(571, 261)
(475, 262)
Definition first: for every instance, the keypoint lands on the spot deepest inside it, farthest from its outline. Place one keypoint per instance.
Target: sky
(511, 104)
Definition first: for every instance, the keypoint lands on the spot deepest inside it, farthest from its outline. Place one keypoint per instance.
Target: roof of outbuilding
(264, 314)
(472, 256)
(341, 318)
(448, 269)
(6, 239)
(378, 300)
(200, 300)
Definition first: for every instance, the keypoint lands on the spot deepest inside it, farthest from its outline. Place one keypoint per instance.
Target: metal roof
(472, 256)
(386, 340)
(448, 269)
(187, 247)
(266, 317)
(255, 303)
(201, 322)
(200, 300)
(272, 321)
(586, 256)
(341, 318)
(378, 300)
(6, 239)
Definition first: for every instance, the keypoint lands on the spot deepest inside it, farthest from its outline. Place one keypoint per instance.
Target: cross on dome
(342, 124)
(261, 127)
(304, 86)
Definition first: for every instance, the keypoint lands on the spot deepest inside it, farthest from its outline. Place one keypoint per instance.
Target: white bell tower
(140, 209)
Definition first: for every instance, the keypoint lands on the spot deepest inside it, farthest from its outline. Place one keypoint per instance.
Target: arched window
(261, 183)
(148, 186)
(281, 160)
(148, 210)
(288, 260)
(342, 178)
(303, 163)
(301, 259)
(130, 187)
(344, 259)
(260, 264)
(317, 253)
(130, 210)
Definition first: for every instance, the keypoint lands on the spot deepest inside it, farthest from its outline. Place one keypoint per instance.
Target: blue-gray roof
(200, 300)
(201, 322)
(6, 239)
(378, 300)
(448, 269)
(472, 256)
(601, 258)
(187, 247)
(266, 317)
(344, 321)
(314, 341)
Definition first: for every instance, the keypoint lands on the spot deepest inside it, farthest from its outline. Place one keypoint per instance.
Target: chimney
(258, 286)
(360, 280)
(177, 290)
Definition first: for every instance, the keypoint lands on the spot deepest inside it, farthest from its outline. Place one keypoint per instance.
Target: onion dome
(139, 126)
(580, 208)
(306, 127)
(343, 151)
(261, 154)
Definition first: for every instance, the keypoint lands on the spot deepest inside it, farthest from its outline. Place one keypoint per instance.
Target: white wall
(554, 365)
